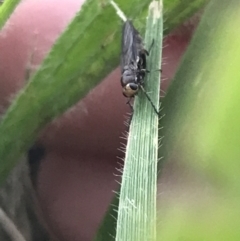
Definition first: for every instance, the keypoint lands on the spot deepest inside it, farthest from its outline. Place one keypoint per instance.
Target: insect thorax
(129, 75)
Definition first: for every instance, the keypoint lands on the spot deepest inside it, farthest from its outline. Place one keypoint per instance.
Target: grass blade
(137, 202)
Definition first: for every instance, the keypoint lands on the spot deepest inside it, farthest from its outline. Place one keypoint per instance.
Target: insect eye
(130, 90)
(132, 86)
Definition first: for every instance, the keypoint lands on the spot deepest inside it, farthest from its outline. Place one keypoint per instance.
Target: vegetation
(200, 115)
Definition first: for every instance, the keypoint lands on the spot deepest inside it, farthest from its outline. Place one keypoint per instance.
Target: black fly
(133, 63)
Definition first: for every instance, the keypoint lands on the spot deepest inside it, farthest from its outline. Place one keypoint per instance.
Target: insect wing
(129, 45)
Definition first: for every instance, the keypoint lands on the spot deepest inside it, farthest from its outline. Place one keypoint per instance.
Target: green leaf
(202, 123)
(107, 229)
(177, 12)
(6, 10)
(66, 75)
(202, 104)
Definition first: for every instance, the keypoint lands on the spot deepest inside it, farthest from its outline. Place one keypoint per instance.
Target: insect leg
(147, 71)
(150, 48)
(148, 97)
(129, 103)
(131, 107)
